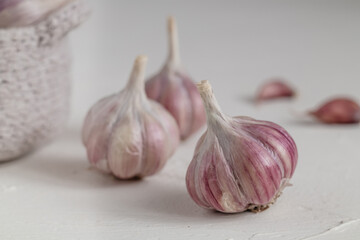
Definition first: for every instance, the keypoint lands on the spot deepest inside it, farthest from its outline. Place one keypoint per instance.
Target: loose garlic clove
(18, 13)
(239, 163)
(127, 134)
(338, 110)
(274, 89)
(175, 90)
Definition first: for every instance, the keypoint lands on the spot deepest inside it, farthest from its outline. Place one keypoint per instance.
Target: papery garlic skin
(239, 163)
(127, 134)
(175, 90)
(338, 111)
(274, 89)
(18, 13)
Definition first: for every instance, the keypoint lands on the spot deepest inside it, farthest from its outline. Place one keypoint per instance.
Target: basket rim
(47, 30)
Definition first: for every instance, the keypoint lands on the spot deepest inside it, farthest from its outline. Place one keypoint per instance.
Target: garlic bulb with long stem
(239, 163)
(127, 134)
(18, 13)
(175, 90)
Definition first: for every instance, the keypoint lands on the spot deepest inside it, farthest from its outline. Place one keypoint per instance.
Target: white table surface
(54, 194)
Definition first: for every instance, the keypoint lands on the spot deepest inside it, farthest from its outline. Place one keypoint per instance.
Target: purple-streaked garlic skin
(179, 95)
(128, 135)
(274, 89)
(176, 91)
(338, 111)
(239, 163)
(19, 13)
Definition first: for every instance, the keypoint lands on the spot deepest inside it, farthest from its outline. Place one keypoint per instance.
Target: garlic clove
(167, 122)
(338, 111)
(125, 148)
(239, 163)
(95, 131)
(156, 147)
(18, 13)
(128, 135)
(274, 89)
(101, 109)
(280, 143)
(175, 90)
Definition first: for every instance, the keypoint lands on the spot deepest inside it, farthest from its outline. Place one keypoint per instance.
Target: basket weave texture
(35, 80)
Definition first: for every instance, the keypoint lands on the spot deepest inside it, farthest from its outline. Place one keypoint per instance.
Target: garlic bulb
(274, 89)
(17, 13)
(127, 134)
(239, 163)
(175, 90)
(338, 111)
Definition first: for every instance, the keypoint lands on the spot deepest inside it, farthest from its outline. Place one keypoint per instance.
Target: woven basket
(35, 80)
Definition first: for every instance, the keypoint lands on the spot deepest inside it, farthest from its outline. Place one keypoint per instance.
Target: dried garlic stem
(174, 55)
(212, 108)
(137, 76)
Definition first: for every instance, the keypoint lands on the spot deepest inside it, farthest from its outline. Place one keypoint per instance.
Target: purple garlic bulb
(127, 134)
(239, 163)
(175, 90)
(18, 13)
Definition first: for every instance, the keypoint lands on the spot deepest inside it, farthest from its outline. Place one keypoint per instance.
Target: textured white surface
(53, 194)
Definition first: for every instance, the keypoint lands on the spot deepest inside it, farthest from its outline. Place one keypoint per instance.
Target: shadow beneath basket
(15, 160)
(64, 163)
(67, 135)
(70, 171)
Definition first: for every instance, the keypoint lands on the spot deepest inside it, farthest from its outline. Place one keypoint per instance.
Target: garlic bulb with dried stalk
(239, 163)
(341, 110)
(127, 134)
(18, 13)
(175, 90)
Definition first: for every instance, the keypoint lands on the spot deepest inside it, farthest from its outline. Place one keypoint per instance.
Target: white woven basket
(35, 80)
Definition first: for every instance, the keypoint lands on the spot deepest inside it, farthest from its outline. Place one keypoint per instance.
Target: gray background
(235, 45)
